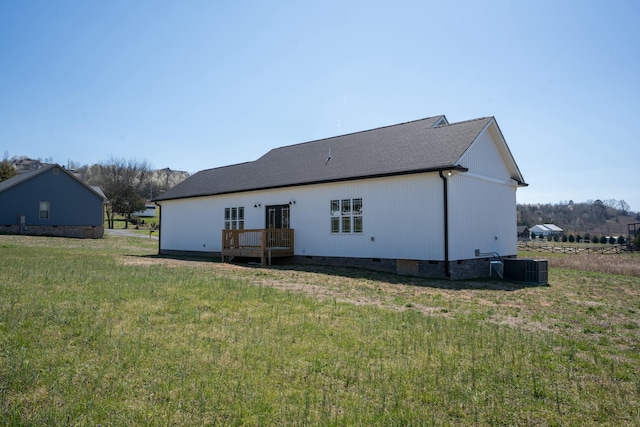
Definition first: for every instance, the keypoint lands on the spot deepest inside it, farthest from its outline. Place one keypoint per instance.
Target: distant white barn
(546, 230)
(425, 198)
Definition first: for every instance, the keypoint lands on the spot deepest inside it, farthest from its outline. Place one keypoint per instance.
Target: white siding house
(425, 197)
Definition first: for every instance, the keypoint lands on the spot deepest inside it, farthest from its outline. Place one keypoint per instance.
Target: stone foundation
(75, 231)
(459, 270)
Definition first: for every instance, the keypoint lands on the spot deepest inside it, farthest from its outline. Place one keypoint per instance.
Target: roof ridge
(467, 121)
(356, 133)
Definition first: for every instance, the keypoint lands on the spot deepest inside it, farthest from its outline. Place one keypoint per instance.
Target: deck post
(263, 246)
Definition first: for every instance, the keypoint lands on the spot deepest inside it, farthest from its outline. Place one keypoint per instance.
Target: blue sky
(192, 85)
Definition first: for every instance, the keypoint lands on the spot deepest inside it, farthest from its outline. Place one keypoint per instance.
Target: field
(107, 333)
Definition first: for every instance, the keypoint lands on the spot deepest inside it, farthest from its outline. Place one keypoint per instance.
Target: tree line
(607, 216)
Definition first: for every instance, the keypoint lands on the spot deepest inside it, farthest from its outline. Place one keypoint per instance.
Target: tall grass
(625, 264)
(87, 339)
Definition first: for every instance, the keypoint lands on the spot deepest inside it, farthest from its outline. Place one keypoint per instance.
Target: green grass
(104, 332)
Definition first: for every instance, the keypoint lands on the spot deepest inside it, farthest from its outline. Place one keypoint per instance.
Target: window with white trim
(44, 210)
(346, 216)
(234, 218)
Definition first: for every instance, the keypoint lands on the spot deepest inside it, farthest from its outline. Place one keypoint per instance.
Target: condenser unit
(526, 270)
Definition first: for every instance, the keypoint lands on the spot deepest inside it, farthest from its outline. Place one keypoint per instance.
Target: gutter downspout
(160, 223)
(445, 207)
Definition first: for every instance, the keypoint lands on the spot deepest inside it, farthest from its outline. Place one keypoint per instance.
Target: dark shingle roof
(405, 148)
(17, 179)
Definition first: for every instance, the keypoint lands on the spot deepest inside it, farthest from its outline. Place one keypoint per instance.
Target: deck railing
(262, 239)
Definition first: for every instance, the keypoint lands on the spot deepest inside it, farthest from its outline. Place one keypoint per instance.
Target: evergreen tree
(6, 170)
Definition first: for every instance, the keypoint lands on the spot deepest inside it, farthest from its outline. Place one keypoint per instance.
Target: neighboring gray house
(425, 198)
(51, 201)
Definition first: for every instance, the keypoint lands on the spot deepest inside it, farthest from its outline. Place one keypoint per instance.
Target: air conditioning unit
(526, 270)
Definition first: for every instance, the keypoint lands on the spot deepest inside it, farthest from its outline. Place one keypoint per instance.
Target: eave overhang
(456, 168)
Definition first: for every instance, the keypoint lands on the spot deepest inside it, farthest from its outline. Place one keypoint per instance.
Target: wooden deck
(257, 243)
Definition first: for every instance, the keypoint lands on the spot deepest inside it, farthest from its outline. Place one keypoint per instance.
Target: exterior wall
(71, 203)
(482, 203)
(482, 215)
(402, 218)
(484, 158)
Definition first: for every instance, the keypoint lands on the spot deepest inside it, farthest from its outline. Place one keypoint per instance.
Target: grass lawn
(104, 332)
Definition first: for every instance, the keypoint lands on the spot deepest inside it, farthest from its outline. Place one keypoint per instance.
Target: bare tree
(121, 181)
(623, 206)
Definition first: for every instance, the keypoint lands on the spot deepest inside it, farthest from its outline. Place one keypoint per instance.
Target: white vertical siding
(482, 215)
(482, 203)
(484, 158)
(402, 218)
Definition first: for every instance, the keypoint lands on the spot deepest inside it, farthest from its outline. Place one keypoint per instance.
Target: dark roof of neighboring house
(17, 179)
(406, 148)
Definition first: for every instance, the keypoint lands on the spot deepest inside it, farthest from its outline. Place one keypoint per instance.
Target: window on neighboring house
(44, 210)
(234, 218)
(346, 216)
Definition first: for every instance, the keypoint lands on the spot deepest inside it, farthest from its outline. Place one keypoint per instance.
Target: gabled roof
(553, 227)
(425, 145)
(17, 179)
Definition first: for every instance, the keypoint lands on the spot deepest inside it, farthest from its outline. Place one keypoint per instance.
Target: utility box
(526, 270)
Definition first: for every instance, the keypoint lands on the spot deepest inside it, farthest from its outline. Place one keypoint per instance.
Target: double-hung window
(346, 216)
(44, 210)
(234, 218)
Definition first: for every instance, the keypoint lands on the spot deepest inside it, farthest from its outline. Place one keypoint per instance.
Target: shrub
(621, 240)
(612, 240)
(571, 238)
(604, 240)
(579, 238)
(564, 238)
(595, 239)
(555, 237)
